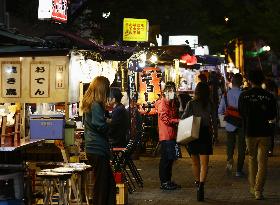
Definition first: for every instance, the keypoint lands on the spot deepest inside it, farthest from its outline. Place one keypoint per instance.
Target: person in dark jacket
(201, 148)
(96, 141)
(118, 129)
(257, 107)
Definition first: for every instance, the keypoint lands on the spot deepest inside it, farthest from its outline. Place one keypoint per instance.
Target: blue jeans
(168, 155)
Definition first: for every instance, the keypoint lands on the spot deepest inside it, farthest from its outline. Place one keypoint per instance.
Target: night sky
(247, 19)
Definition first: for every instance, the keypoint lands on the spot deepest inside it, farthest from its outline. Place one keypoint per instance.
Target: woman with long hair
(201, 148)
(96, 141)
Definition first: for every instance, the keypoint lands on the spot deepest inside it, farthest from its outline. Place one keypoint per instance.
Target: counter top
(22, 146)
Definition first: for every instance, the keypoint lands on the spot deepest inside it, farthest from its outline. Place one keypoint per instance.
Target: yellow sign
(135, 29)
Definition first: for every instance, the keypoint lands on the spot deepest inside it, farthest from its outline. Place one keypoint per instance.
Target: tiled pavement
(219, 189)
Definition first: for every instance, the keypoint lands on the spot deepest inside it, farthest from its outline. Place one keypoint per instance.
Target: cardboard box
(122, 194)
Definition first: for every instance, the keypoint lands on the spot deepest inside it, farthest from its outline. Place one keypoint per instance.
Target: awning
(8, 38)
(21, 51)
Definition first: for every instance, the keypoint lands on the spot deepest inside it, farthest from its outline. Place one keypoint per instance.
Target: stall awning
(7, 38)
(21, 51)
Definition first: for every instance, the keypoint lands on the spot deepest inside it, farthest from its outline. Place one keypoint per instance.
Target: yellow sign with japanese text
(135, 29)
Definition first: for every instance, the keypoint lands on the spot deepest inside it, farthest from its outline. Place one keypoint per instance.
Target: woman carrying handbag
(201, 148)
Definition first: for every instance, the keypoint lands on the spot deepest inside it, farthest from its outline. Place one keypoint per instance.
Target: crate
(122, 194)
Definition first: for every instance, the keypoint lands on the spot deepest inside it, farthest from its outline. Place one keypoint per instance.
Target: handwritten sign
(59, 10)
(135, 29)
(59, 78)
(149, 89)
(39, 79)
(11, 79)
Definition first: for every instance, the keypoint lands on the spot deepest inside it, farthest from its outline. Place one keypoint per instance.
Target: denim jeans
(232, 137)
(258, 157)
(168, 156)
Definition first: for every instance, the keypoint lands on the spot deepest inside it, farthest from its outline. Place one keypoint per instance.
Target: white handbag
(188, 129)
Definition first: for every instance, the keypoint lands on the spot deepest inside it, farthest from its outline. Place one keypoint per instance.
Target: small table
(59, 180)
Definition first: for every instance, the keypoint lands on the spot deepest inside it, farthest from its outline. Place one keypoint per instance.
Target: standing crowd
(250, 115)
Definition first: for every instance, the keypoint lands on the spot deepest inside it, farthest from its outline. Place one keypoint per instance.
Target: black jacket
(257, 106)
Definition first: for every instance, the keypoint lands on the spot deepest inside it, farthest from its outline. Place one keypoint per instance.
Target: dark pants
(168, 155)
(104, 190)
(272, 127)
(241, 146)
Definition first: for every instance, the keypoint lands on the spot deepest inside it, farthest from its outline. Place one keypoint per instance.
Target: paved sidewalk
(219, 189)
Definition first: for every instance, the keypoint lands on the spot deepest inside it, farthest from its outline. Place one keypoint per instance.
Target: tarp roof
(9, 38)
(11, 51)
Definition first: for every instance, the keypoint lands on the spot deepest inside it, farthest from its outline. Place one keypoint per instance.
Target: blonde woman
(96, 141)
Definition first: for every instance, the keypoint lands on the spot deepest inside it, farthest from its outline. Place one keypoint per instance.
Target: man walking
(257, 107)
(234, 132)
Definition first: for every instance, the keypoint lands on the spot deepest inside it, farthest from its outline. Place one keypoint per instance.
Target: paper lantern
(149, 89)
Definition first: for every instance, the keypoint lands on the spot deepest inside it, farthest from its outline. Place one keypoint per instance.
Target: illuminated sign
(45, 9)
(53, 9)
(149, 89)
(59, 10)
(135, 29)
(192, 41)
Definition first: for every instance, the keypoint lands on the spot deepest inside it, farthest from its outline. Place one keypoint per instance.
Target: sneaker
(167, 186)
(178, 186)
(258, 195)
(229, 167)
(240, 174)
(252, 191)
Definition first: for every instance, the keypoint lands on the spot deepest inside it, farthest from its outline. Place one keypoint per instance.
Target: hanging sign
(45, 9)
(11, 79)
(59, 10)
(39, 79)
(59, 77)
(135, 29)
(149, 89)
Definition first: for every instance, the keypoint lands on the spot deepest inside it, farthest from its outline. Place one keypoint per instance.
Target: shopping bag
(188, 129)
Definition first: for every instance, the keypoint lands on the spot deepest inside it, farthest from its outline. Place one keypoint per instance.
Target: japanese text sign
(59, 78)
(59, 10)
(135, 29)
(149, 89)
(39, 79)
(11, 79)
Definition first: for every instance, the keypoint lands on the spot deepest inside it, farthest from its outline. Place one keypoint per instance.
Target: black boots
(200, 191)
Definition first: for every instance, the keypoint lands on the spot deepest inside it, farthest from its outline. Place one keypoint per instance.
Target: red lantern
(188, 59)
(149, 89)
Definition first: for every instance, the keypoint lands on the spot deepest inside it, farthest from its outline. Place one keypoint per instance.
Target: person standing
(257, 107)
(96, 141)
(120, 119)
(233, 132)
(168, 120)
(201, 148)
